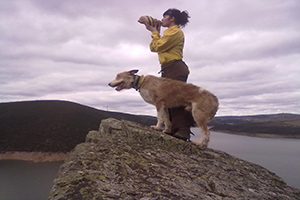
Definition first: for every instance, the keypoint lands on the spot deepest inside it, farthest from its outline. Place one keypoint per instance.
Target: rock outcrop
(126, 160)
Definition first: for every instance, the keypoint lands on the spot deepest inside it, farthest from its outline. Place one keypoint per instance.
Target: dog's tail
(215, 107)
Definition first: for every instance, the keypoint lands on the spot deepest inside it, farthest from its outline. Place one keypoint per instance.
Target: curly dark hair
(181, 18)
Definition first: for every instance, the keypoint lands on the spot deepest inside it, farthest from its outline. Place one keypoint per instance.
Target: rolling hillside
(52, 126)
(277, 125)
(58, 126)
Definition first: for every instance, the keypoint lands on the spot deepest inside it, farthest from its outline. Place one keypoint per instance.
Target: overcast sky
(246, 52)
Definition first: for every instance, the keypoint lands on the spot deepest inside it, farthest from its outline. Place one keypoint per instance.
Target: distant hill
(277, 125)
(58, 126)
(52, 126)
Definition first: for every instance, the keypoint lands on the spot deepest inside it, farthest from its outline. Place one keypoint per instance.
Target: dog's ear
(134, 71)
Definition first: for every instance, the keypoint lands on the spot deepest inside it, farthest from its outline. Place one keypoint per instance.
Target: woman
(169, 48)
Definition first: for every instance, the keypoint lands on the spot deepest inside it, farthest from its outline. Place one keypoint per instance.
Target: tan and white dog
(166, 93)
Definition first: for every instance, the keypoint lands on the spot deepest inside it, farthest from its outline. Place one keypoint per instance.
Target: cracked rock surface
(126, 160)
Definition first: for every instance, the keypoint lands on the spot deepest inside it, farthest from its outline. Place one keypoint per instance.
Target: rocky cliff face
(126, 160)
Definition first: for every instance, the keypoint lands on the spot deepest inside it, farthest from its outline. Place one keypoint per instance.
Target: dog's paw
(157, 128)
(201, 143)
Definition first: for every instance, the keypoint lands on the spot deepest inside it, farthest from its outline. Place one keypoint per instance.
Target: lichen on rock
(126, 160)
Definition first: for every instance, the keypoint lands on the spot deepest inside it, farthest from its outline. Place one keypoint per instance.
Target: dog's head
(149, 20)
(123, 80)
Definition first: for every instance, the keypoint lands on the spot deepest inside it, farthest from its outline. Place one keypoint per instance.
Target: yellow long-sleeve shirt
(169, 46)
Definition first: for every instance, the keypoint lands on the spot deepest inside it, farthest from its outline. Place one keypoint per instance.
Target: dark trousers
(179, 117)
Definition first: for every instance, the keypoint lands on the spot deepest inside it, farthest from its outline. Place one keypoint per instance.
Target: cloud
(246, 52)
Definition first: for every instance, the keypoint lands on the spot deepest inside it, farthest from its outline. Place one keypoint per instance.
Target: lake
(21, 180)
(279, 155)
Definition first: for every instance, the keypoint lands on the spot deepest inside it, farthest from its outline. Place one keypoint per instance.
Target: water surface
(279, 155)
(21, 180)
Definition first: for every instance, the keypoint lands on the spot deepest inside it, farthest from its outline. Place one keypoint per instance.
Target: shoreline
(259, 135)
(33, 156)
(55, 156)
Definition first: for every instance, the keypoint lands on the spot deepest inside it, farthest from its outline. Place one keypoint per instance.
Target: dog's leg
(205, 135)
(159, 125)
(166, 117)
(201, 120)
(162, 119)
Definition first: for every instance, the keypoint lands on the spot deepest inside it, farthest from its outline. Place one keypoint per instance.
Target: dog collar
(150, 20)
(138, 82)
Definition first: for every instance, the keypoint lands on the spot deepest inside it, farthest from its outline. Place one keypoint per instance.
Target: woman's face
(167, 21)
